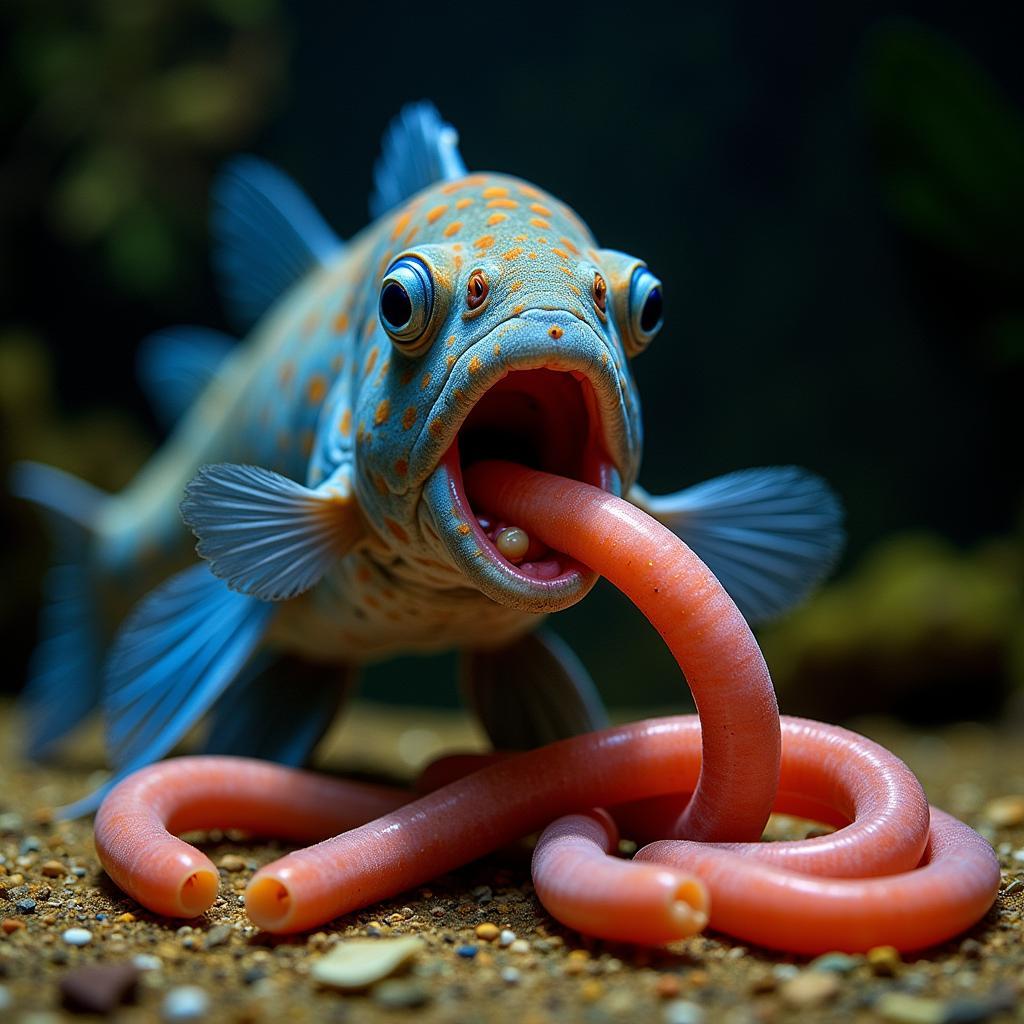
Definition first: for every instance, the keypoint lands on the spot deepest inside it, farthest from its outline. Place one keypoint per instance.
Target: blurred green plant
(950, 147)
(117, 108)
(919, 628)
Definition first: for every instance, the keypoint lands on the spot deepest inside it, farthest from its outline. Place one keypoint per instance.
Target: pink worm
(828, 774)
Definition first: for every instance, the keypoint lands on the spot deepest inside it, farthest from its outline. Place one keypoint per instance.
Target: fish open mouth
(546, 419)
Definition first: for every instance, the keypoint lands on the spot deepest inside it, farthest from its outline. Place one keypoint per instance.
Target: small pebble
(11, 924)
(507, 937)
(901, 1008)
(511, 975)
(217, 936)
(125, 918)
(11, 822)
(30, 844)
(147, 962)
(187, 1002)
(398, 993)
(79, 872)
(231, 862)
(98, 989)
(884, 960)
(26, 906)
(77, 936)
(519, 946)
(6, 999)
(1006, 811)
(53, 869)
(682, 1011)
(667, 986)
(359, 963)
(809, 989)
(466, 952)
(487, 931)
(838, 963)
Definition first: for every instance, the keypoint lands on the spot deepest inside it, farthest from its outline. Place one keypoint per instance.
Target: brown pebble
(53, 869)
(591, 990)
(1006, 811)
(99, 989)
(697, 979)
(125, 918)
(11, 924)
(810, 988)
(43, 815)
(884, 960)
(487, 931)
(231, 862)
(668, 986)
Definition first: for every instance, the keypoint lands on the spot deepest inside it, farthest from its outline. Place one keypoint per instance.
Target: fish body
(320, 461)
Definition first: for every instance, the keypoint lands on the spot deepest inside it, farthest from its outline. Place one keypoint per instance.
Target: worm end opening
(268, 902)
(197, 892)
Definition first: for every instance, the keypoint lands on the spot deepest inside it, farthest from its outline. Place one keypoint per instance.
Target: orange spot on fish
(555, 332)
(502, 204)
(494, 192)
(560, 253)
(463, 529)
(371, 361)
(484, 242)
(316, 388)
(396, 530)
(496, 218)
(309, 325)
(409, 417)
(530, 192)
(531, 255)
(407, 375)
(474, 364)
(363, 574)
(371, 326)
(450, 360)
(567, 271)
(341, 322)
(604, 358)
(512, 254)
(516, 310)
(401, 467)
(400, 225)
(382, 412)
(515, 286)
(437, 428)
(572, 248)
(497, 350)
(425, 382)
(436, 213)
(413, 232)
(463, 203)
(540, 209)
(382, 372)
(453, 229)
(346, 423)
(450, 342)
(575, 290)
(539, 222)
(306, 443)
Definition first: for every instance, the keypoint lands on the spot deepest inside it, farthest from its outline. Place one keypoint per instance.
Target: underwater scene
(373, 380)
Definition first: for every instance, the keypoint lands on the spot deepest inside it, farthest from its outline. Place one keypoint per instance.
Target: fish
(315, 468)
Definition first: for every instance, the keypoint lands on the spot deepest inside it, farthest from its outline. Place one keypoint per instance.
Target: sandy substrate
(547, 974)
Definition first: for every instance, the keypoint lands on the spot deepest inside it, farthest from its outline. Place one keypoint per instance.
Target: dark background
(832, 193)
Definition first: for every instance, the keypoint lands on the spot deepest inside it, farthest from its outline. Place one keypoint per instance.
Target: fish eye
(645, 308)
(477, 289)
(406, 301)
(600, 293)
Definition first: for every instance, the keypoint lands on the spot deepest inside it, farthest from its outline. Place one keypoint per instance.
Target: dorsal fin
(418, 149)
(267, 235)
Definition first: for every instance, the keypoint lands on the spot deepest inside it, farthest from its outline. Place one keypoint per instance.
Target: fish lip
(445, 503)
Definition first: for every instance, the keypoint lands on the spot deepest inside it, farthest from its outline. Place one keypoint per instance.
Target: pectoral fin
(532, 692)
(769, 535)
(266, 535)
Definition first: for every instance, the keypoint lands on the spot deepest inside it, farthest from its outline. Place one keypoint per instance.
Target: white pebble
(6, 999)
(510, 975)
(77, 936)
(1019, 855)
(355, 964)
(147, 962)
(507, 937)
(681, 1011)
(185, 1003)
(520, 946)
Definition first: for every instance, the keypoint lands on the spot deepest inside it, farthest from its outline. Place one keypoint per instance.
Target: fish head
(509, 336)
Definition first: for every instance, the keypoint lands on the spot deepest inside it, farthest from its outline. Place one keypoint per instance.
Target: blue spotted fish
(319, 464)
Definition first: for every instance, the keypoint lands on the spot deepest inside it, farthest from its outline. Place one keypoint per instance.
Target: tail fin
(64, 673)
